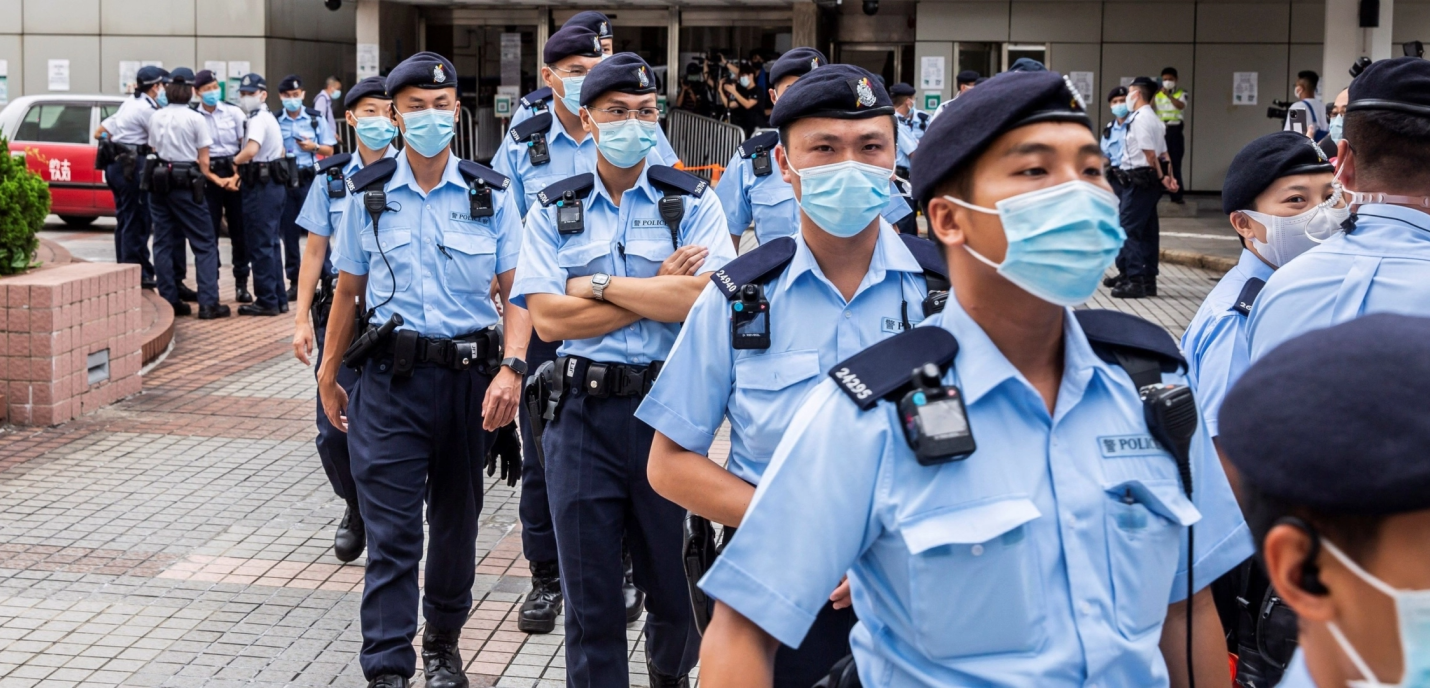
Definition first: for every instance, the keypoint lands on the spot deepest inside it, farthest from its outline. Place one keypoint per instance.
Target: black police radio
(570, 218)
(750, 319)
(935, 420)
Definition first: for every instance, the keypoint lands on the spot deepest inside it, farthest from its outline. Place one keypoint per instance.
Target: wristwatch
(599, 282)
(517, 365)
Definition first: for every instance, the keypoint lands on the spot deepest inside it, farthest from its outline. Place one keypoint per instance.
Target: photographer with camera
(742, 97)
(697, 94)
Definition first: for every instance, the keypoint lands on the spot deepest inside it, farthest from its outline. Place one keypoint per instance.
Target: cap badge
(813, 62)
(864, 93)
(438, 76)
(596, 43)
(641, 75)
(604, 30)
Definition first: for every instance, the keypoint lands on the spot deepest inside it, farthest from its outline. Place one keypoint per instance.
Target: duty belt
(456, 354)
(607, 379)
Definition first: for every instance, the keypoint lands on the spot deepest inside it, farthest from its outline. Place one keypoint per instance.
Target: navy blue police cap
(292, 82)
(968, 76)
(1146, 81)
(251, 83)
(901, 89)
(1335, 420)
(796, 62)
(970, 122)
(1265, 160)
(839, 91)
(594, 21)
(182, 76)
(622, 73)
(426, 70)
(1398, 85)
(371, 87)
(148, 76)
(572, 39)
(203, 78)
(1027, 64)
(1117, 92)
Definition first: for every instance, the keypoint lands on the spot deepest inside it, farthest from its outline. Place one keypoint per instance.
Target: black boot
(1114, 280)
(214, 312)
(187, 294)
(293, 293)
(388, 681)
(181, 308)
(351, 537)
(440, 661)
(635, 599)
(659, 680)
(1134, 289)
(543, 603)
(240, 291)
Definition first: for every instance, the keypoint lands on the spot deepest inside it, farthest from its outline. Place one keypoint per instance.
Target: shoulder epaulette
(537, 124)
(475, 170)
(1249, 292)
(537, 97)
(377, 172)
(766, 140)
(1112, 331)
(1107, 130)
(314, 112)
(580, 185)
(754, 267)
(676, 180)
(927, 254)
(332, 161)
(886, 369)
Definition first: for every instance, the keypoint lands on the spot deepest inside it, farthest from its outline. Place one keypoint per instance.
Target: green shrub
(24, 203)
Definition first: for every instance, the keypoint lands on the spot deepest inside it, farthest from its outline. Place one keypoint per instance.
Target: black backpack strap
(764, 141)
(1140, 347)
(673, 184)
(756, 267)
(538, 123)
(885, 370)
(1249, 292)
(927, 254)
(580, 186)
(539, 99)
(339, 160)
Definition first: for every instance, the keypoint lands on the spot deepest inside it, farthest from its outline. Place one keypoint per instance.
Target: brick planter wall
(52, 320)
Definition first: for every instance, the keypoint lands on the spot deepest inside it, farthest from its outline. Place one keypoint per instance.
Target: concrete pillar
(674, 71)
(543, 32)
(368, 14)
(1346, 41)
(806, 25)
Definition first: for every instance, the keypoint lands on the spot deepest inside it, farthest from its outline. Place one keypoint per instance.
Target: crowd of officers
(940, 473)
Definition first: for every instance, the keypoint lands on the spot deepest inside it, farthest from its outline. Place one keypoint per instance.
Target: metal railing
(478, 135)
(701, 142)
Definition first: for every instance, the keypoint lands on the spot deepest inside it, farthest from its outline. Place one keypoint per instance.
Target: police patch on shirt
(1126, 446)
(648, 222)
(464, 217)
(893, 325)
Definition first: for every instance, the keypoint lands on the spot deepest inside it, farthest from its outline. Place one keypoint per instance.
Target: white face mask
(1288, 237)
(249, 103)
(1412, 610)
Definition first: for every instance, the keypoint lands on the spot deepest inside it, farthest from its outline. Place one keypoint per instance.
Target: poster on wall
(236, 71)
(1126, 81)
(128, 72)
(4, 82)
(1243, 88)
(366, 60)
(931, 73)
(59, 75)
(511, 59)
(1083, 82)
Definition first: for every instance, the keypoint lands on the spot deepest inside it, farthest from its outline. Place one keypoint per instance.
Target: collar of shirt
(558, 130)
(294, 118)
(356, 163)
(642, 184)
(1397, 213)
(890, 253)
(1250, 266)
(403, 176)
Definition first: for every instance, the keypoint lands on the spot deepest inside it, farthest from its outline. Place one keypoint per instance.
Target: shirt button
(847, 314)
(977, 550)
(1087, 608)
(1072, 521)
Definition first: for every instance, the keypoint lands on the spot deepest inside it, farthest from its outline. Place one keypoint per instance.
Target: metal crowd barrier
(702, 143)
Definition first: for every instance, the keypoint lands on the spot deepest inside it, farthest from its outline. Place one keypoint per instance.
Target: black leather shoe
(659, 680)
(388, 681)
(351, 537)
(292, 293)
(282, 306)
(1133, 289)
(214, 312)
(543, 603)
(440, 661)
(255, 309)
(151, 285)
(1113, 281)
(635, 599)
(241, 294)
(187, 294)
(181, 308)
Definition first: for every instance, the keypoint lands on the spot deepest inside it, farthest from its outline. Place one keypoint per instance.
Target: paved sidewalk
(182, 537)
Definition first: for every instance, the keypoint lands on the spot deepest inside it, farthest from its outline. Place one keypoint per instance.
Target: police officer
(435, 231)
(844, 281)
(1380, 262)
(1339, 510)
(305, 136)
(598, 23)
(611, 265)
(965, 80)
(1017, 523)
(753, 187)
(367, 111)
(261, 169)
(180, 165)
(1114, 135)
(1143, 181)
(124, 140)
(911, 127)
(914, 121)
(1171, 105)
(226, 124)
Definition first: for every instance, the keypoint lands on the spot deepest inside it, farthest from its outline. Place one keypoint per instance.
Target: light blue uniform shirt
(629, 240)
(1022, 565)
(904, 147)
(305, 126)
(812, 327)
(568, 159)
(769, 201)
(1215, 341)
(1297, 675)
(321, 213)
(911, 124)
(442, 260)
(1112, 143)
(664, 152)
(1381, 267)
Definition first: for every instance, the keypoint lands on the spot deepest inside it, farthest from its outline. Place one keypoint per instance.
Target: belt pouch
(404, 353)
(159, 184)
(597, 380)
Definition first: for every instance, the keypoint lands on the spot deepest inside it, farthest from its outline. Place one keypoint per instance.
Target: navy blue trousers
(223, 202)
(1139, 219)
(332, 442)
(538, 537)
(596, 454)
(178, 217)
(416, 439)
(131, 218)
(262, 208)
(826, 643)
(292, 233)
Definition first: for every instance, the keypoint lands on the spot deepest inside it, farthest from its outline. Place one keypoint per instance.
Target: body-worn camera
(337, 187)
(537, 151)
(935, 420)
(760, 162)
(750, 319)
(570, 217)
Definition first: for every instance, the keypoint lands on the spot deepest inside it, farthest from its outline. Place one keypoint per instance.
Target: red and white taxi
(55, 134)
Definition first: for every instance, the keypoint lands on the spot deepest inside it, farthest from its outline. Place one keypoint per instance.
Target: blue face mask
(375, 132)
(1337, 128)
(292, 104)
(1060, 240)
(429, 131)
(572, 99)
(625, 143)
(337, 94)
(210, 98)
(843, 198)
(1120, 110)
(163, 99)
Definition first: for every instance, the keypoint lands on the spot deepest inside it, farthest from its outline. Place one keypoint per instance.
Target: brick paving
(183, 537)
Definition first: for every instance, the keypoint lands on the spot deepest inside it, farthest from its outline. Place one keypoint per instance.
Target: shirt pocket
(534, 186)
(1145, 521)
(646, 250)
(580, 258)
(395, 273)
(765, 395)
(974, 583)
(773, 209)
(471, 262)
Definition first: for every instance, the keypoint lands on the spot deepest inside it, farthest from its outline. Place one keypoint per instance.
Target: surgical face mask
(572, 86)
(843, 198)
(249, 103)
(1060, 240)
(163, 99)
(1288, 237)
(210, 98)
(1119, 110)
(1337, 125)
(1412, 611)
(1169, 84)
(745, 81)
(625, 143)
(375, 132)
(292, 104)
(337, 93)
(429, 131)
